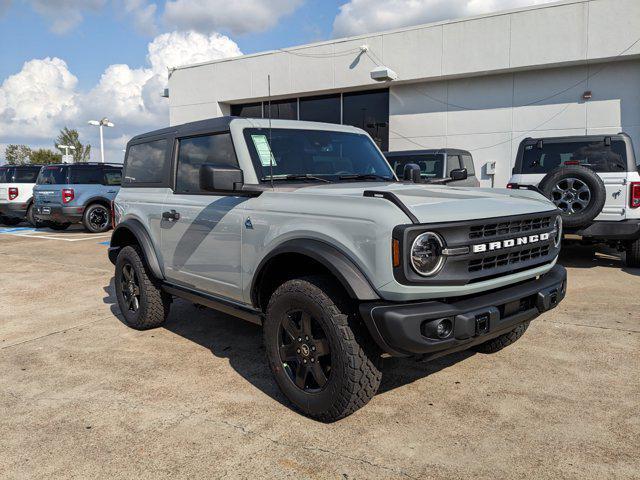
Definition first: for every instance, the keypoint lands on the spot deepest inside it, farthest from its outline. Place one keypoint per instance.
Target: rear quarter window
(594, 155)
(54, 175)
(6, 173)
(146, 164)
(113, 177)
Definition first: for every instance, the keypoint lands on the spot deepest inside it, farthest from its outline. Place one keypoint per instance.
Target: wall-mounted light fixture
(587, 95)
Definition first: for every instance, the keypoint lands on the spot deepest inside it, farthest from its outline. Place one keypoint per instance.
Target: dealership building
(481, 84)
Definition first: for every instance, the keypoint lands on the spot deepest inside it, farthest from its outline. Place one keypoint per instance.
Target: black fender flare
(97, 199)
(123, 231)
(338, 263)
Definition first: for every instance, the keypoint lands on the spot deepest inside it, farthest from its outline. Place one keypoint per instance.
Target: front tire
(321, 359)
(142, 303)
(97, 218)
(496, 344)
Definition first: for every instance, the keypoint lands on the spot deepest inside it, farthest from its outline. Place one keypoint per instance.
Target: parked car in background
(593, 180)
(16, 193)
(436, 164)
(303, 228)
(77, 193)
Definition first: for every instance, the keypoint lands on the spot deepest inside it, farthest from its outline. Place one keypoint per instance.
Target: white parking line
(51, 235)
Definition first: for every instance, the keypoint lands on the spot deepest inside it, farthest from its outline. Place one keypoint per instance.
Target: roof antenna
(270, 151)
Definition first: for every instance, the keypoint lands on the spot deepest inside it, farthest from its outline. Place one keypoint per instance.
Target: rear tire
(496, 344)
(31, 218)
(632, 250)
(142, 302)
(321, 358)
(96, 218)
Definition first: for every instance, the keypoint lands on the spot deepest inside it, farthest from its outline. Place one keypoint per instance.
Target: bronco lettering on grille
(512, 242)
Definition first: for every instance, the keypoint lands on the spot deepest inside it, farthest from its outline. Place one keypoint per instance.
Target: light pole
(65, 157)
(102, 123)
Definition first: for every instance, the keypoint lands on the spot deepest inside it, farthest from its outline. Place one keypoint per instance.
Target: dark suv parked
(78, 193)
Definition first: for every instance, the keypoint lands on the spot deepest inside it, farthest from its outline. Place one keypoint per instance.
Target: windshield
(431, 165)
(53, 176)
(316, 155)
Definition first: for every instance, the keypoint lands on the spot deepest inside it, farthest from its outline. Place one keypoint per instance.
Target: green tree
(71, 137)
(44, 156)
(17, 154)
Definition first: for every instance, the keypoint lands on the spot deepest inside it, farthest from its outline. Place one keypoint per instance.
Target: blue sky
(106, 37)
(64, 62)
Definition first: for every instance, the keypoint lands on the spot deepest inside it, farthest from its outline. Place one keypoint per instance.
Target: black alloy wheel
(97, 219)
(304, 351)
(130, 288)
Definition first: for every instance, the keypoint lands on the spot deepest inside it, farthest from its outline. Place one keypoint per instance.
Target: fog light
(444, 328)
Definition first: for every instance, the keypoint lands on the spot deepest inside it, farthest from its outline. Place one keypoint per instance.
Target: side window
(194, 152)
(113, 176)
(146, 163)
(453, 162)
(81, 175)
(467, 162)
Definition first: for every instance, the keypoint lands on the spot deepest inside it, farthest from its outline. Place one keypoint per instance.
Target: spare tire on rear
(577, 191)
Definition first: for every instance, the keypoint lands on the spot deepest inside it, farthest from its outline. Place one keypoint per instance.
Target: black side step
(217, 303)
(393, 198)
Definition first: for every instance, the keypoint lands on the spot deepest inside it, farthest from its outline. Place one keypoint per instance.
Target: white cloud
(42, 98)
(65, 14)
(143, 14)
(364, 16)
(235, 16)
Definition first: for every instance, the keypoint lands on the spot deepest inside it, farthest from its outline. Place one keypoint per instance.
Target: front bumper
(14, 209)
(400, 329)
(58, 214)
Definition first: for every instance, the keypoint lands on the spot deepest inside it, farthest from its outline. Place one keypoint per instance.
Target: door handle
(171, 216)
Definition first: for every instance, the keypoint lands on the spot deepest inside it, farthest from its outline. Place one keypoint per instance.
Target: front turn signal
(395, 247)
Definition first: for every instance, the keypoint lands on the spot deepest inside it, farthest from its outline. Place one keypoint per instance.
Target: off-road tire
(154, 304)
(355, 359)
(589, 178)
(91, 228)
(58, 226)
(31, 218)
(632, 257)
(496, 344)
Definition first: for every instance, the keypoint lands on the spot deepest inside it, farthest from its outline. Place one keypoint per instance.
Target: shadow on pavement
(240, 342)
(575, 255)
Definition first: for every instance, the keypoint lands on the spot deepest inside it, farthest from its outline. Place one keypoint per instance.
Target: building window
(322, 108)
(369, 111)
(282, 109)
(247, 110)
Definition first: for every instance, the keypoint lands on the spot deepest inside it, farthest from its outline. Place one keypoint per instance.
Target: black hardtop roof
(8, 165)
(212, 124)
(577, 138)
(427, 151)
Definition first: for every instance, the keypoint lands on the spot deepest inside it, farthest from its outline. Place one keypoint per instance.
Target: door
(201, 231)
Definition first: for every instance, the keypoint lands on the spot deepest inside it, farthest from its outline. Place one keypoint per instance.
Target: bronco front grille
(509, 227)
(487, 263)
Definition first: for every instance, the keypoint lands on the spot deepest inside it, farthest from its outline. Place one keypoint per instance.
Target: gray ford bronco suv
(305, 229)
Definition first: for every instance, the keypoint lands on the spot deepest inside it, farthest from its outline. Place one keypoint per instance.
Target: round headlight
(557, 228)
(426, 254)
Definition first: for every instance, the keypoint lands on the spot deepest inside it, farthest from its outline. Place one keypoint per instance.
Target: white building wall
(490, 115)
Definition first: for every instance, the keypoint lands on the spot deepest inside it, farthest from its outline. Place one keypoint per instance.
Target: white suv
(593, 180)
(16, 193)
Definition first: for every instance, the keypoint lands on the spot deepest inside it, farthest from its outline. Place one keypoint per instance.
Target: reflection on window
(146, 162)
(194, 152)
(370, 111)
(282, 109)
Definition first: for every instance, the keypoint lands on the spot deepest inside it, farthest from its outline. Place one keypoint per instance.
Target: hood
(439, 203)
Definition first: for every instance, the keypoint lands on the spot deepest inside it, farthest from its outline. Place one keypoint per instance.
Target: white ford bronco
(305, 229)
(593, 180)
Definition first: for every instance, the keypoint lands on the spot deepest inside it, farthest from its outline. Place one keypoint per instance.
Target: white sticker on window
(264, 150)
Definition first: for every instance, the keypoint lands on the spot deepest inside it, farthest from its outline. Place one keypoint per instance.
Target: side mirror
(458, 174)
(215, 178)
(412, 173)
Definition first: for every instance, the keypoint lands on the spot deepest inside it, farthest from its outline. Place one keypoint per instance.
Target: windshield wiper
(365, 176)
(296, 176)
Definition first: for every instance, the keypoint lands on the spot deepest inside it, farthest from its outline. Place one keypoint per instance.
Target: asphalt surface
(82, 395)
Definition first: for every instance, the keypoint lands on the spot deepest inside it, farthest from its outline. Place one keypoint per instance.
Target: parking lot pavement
(81, 395)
